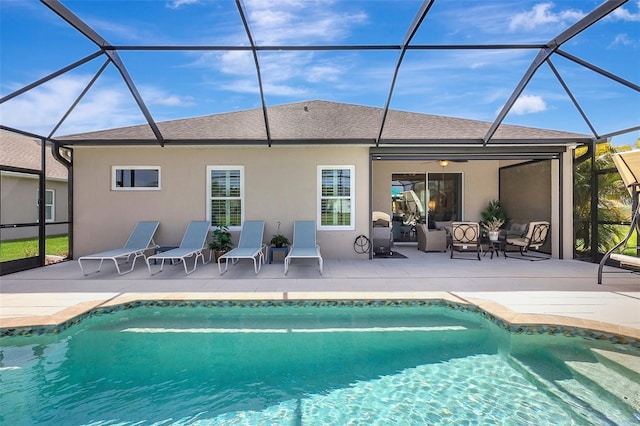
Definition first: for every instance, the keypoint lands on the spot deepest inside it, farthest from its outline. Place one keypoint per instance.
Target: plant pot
(217, 254)
(493, 235)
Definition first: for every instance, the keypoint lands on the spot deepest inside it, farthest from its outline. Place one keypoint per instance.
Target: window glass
(225, 189)
(408, 193)
(49, 205)
(336, 193)
(445, 196)
(132, 178)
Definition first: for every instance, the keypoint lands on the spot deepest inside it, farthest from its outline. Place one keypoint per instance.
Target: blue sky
(471, 84)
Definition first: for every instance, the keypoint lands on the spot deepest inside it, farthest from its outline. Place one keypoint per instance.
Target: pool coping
(520, 323)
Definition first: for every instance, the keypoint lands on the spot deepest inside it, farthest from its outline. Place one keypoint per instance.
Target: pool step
(583, 400)
(623, 363)
(616, 384)
(614, 375)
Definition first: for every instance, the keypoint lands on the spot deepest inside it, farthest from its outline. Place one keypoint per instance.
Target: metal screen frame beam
(51, 76)
(77, 23)
(411, 31)
(573, 99)
(546, 51)
(337, 47)
(553, 45)
(619, 132)
(254, 51)
(599, 70)
(79, 98)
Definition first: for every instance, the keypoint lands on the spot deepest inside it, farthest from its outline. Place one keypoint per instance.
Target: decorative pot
(493, 235)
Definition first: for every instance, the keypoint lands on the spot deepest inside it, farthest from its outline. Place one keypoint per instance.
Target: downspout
(42, 188)
(55, 151)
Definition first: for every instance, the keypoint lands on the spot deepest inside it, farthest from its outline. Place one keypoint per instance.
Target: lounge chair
(250, 246)
(304, 244)
(431, 239)
(535, 238)
(192, 244)
(140, 240)
(465, 237)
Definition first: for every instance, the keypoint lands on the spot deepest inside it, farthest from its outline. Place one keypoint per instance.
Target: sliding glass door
(408, 196)
(445, 196)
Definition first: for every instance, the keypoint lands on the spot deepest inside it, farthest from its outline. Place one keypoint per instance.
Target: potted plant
(492, 227)
(494, 210)
(221, 241)
(278, 239)
(493, 217)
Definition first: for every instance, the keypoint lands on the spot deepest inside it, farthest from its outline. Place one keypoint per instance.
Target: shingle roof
(329, 122)
(21, 151)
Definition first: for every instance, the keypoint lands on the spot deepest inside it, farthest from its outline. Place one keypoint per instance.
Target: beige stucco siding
(20, 205)
(479, 184)
(280, 186)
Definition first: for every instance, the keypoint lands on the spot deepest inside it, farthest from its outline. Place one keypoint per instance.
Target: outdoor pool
(312, 364)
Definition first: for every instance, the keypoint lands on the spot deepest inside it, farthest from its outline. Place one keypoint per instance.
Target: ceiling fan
(445, 162)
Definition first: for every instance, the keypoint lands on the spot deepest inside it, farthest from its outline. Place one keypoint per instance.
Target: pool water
(309, 365)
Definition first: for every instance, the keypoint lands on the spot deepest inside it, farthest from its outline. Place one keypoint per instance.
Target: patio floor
(561, 292)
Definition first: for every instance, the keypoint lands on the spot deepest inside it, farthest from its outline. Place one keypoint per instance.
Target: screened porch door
(22, 213)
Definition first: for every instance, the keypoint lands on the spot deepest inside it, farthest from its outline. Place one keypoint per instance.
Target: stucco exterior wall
(479, 182)
(280, 186)
(20, 205)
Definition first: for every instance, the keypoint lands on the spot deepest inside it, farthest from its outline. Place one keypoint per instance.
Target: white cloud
(623, 14)
(542, 15)
(243, 86)
(117, 30)
(323, 73)
(528, 104)
(235, 62)
(39, 109)
(155, 96)
(175, 4)
(286, 22)
(285, 90)
(250, 86)
(299, 22)
(622, 40)
(278, 70)
(106, 105)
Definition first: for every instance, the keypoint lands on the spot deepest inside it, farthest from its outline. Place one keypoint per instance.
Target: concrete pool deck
(549, 292)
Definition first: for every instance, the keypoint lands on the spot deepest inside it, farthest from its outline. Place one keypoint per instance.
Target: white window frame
(114, 169)
(241, 197)
(52, 205)
(351, 197)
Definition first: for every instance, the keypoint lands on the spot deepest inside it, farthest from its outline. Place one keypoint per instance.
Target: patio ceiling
(396, 54)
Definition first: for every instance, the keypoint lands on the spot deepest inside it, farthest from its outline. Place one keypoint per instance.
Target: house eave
(479, 141)
(422, 153)
(321, 142)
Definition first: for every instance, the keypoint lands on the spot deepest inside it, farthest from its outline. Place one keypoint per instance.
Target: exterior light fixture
(443, 163)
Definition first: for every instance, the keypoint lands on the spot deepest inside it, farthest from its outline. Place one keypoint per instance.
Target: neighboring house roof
(326, 122)
(17, 150)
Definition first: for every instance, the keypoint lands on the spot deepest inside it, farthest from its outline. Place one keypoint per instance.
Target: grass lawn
(56, 245)
(633, 242)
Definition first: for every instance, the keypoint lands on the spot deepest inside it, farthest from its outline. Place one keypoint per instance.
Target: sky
(473, 84)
